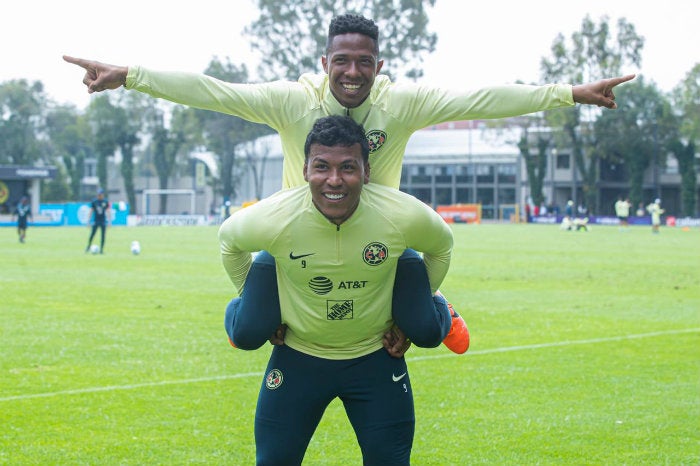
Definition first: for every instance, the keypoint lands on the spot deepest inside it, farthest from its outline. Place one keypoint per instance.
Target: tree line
(150, 137)
(154, 138)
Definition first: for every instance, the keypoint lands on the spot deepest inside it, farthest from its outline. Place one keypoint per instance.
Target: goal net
(177, 201)
(509, 213)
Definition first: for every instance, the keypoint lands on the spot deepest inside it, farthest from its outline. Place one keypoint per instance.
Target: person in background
(226, 210)
(622, 210)
(569, 210)
(99, 217)
(655, 211)
(23, 213)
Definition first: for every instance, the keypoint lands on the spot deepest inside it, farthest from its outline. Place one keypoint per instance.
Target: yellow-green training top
(336, 282)
(390, 115)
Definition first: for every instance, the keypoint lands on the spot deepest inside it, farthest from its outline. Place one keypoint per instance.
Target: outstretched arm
(100, 76)
(599, 93)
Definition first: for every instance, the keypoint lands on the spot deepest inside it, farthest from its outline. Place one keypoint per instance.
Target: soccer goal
(509, 213)
(147, 193)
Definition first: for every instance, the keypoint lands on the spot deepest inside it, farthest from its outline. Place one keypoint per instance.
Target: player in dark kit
(99, 213)
(23, 213)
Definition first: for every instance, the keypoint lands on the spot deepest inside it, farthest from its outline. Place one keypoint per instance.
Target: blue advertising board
(72, 214)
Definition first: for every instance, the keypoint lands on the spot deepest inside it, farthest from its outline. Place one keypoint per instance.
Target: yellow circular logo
(274, 379)
(375, 253)
(4, 192)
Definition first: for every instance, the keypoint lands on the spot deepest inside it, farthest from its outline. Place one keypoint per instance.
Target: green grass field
(585, 351)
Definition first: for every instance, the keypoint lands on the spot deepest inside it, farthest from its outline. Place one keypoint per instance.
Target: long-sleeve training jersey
(390, 114)
(336, 282)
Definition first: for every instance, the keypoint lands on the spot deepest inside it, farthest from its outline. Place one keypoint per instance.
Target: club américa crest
(274, 379)
(375, 253)
(376, 139)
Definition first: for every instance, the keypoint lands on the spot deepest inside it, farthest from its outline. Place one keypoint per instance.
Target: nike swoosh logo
(396, 379)
(293, 257)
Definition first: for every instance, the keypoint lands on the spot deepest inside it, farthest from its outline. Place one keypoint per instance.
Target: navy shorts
(375, 390)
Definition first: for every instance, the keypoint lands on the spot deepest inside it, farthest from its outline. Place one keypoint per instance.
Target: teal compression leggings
(252, 318)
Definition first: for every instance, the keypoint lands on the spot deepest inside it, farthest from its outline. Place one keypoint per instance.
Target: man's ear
(324, 63)
(380, 63)
(306, 167)
(366, 173)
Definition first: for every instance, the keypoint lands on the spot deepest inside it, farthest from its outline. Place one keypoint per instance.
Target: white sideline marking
(131, 386)
(419, 358)
(561, 343)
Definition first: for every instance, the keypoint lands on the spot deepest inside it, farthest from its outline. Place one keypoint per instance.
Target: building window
(90, 167)
(464, 196)
(421, 174)
(443, 173)
(443, 196)
(506, 195)
(563, 161)
(506, 173)
(421, 193)
(465, 173)
(484, 173)
(485, 197)
(671, 167)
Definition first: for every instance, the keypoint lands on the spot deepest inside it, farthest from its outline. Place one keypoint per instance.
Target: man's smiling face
(336, 175)
(351, 65)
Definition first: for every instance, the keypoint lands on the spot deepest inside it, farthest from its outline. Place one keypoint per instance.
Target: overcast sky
(479, 43)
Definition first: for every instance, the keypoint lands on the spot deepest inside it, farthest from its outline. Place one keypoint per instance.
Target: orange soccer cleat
(457, 340)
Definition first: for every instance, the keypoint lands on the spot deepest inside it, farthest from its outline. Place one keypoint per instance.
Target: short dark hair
(349, 23)
(337, 130)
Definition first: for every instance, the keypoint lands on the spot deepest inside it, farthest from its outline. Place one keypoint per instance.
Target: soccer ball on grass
(135, 248)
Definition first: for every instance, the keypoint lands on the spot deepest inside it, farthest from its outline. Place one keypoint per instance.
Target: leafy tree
(685, 154)
(115, 121)
(167, 143)
(535, 163)
(69, 134)
(129, 114)
(256, 159)
(57, 189)
(104, 121)
(637, 132)
(593, 54)
(223, 134)
(291, 34)
(21, 122)
(686, 97)
(127, 141)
